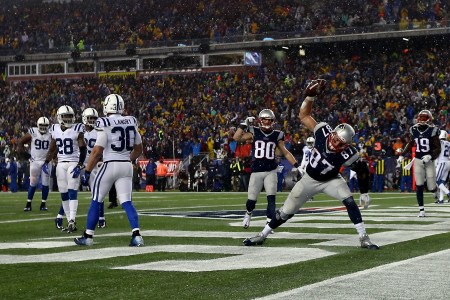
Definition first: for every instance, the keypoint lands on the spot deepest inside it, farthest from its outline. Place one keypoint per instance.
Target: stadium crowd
(32, 26)
(182, 114)
(379, 92)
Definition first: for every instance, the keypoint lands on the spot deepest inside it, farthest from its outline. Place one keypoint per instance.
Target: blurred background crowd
(378, 91)
(46, 25)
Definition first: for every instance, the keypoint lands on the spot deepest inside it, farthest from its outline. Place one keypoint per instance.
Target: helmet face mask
(113, 104)
(65, 116)
(310, 142)
(43, 123)
(89, 116)
(266, 119)
(340, 138)
(424, 117)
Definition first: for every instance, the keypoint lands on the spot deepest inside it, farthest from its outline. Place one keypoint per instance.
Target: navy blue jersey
(263, 149)
(323, 164)
(423, 139)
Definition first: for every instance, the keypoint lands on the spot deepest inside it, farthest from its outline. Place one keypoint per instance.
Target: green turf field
(193, 247)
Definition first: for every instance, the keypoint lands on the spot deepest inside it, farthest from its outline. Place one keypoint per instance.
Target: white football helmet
(266, 119)
(443, 135)
(65, 116)
(424, 117)
(89, 116)
(310, 142)
(113, 104)
(43, 123)
(340, 138)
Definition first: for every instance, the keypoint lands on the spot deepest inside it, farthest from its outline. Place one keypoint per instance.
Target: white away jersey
(117, 135)
(67, 141)
(39, 144)
(444, 156)
(90, 137)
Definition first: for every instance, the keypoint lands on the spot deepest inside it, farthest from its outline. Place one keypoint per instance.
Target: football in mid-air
(315, 87)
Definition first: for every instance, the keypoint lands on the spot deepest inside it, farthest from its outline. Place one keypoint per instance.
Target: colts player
(119, 143)
(39, 140)
(89, 117)
(428, 147)
(332, 149)
(69, 146)
(265, 140)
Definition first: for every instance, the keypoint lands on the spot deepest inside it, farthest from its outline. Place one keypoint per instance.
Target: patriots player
(39, 140)
(332, 149)
(443, 167)
(265, 140)
(119, 143)
(70, 148)
(425, 136)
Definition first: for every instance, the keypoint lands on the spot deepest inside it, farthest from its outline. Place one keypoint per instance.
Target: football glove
(85, 178)
(248, 122)
(297, 173)
(45, 168)
(400, 159)
(426, 158)
(315, 87)
(76, 171)
(364, 199)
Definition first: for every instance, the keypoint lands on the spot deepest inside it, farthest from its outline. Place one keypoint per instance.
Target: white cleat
(421, 214)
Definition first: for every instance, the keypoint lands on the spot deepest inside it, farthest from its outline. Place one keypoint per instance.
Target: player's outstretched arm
(314, 88)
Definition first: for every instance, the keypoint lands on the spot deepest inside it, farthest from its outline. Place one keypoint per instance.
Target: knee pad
(353, 210)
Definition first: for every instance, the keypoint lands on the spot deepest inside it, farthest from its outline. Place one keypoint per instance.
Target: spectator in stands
(161, 175)
(150, 173)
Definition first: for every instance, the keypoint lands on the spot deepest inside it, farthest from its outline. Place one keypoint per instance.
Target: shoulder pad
(102, 123)
(79, 127)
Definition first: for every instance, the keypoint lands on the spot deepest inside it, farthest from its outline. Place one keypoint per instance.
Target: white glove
(249, 121)
(364, 199)
(426, 158)
(298, 171)
(400, 159)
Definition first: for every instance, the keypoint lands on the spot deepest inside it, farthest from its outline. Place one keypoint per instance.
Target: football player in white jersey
(39, 140)
(89, 116)
(119, 143)
(70, 149)
(443, 167)
(306, 154)
(332, 150)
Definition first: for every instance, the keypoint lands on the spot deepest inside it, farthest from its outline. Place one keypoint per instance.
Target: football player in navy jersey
(332, 149)
(425, 136)
(265, 140)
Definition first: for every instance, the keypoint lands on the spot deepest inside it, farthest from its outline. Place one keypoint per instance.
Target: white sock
(73, 204)
(66, 208)
(361, 229)
(266, 231)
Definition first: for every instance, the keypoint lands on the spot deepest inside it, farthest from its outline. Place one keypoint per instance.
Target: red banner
(172, 166)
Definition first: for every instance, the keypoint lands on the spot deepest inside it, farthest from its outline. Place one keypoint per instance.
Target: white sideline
(422, 277)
